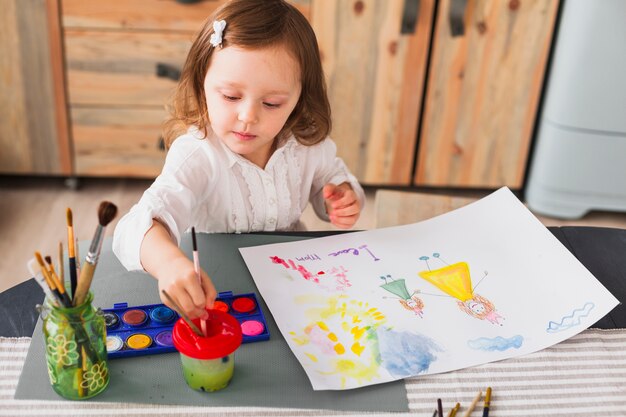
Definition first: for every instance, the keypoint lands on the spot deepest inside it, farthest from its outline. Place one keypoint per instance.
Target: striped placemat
(582, 376)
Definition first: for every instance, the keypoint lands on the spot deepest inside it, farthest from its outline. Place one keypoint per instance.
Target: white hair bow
(218, 30)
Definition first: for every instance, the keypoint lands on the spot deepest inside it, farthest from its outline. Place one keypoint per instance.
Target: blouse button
(272, 201)
(272, 220)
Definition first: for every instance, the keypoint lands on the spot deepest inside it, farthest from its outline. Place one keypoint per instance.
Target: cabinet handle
(457, 13)
(167, 71)
(410, 13)
(161, 143)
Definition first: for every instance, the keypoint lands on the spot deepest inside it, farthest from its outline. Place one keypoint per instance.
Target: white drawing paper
(479, 284)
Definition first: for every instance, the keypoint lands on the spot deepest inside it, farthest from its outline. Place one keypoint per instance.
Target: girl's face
(250, 93)
(476, 307)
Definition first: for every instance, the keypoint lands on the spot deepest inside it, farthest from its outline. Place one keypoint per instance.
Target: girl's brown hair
(255, 24)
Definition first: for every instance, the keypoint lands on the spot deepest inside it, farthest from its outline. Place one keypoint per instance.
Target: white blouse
(206, 185)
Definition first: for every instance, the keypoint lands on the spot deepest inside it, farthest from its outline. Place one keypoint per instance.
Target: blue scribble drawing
(572, 320)
(404, 354)
(496, 343)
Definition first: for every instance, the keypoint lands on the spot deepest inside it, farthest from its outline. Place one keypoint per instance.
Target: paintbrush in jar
(57, 281)
(51, 282)
(39, 278)
(71, 251)
(64, 301)
(106, 213)
(77, 249)
(61, 263)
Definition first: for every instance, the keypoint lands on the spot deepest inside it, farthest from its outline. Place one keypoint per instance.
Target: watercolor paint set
(246, 309)
(147, 329)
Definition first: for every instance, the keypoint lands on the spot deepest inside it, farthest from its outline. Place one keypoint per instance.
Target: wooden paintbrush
(196, 267)
(61, 263)
(31, 265)
(49, 280)
(71, 250)
(106, 213)
(180, 312)
(59, 284)
(77, 250)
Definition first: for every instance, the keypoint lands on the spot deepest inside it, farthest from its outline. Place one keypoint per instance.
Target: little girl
(249, 147)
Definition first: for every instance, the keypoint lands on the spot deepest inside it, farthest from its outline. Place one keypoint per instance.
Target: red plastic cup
(208, 362)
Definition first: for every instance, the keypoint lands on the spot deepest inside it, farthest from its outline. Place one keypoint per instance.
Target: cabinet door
(33, 117)
(482, 93)
(375, 78)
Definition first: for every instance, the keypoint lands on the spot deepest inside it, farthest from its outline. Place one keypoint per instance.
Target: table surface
(584, 375)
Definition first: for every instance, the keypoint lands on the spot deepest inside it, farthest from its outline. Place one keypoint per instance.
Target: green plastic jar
(208, 362)
(76, 356)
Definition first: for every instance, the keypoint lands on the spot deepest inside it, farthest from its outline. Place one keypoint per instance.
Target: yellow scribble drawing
(343, 332)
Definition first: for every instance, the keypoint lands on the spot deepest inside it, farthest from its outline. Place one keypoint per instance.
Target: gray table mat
(266, 374)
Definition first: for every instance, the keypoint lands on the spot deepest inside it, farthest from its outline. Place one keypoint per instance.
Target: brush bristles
(70, 220)
(193, 238)
(106, 213)
(48, 260)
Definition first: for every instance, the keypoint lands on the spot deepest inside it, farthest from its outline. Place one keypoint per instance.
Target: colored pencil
(487, 402)
(181, 313)
(196, 267)
(439, 407)
(454, 410)
(473, 404)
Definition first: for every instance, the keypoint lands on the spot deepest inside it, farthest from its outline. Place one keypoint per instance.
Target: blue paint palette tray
(139, 330)
(147, 329)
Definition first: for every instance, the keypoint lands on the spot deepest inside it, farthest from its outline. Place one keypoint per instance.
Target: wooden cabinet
(483, 92)
(435, 93)
(33, 118)
(482, 88)
(375, 76)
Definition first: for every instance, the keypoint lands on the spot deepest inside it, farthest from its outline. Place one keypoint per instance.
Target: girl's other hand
(342, 205)
(178, 278)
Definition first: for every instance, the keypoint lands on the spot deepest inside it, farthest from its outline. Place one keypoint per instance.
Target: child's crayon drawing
(355, 251)
(398, 288)
(571, 320)
(455, 281)
(352, 341)
(334, 279)
(358, 308)
(496, 343)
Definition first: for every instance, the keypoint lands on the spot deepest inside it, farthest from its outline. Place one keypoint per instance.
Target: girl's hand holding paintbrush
(161, 258)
